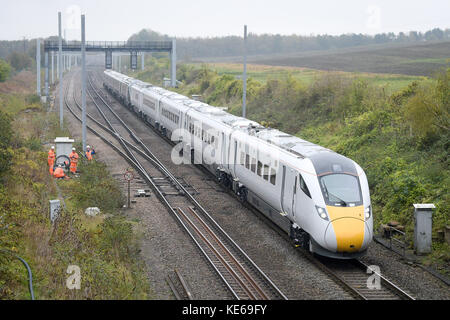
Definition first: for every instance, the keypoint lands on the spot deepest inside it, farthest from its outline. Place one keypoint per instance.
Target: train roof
(294, 145)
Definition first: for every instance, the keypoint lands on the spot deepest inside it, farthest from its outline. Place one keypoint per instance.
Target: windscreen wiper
(340, 200)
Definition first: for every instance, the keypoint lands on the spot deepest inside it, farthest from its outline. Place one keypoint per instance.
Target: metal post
(57, 66)
(83, 81)
(46, 74)
(173, 63)
(61, 118)
(142, 60)
(38, 66)
(120, 63)
(129, 196)
(244, 78)
(53, 67)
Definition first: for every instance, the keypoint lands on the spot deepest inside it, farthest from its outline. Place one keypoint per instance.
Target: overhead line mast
(244, 78)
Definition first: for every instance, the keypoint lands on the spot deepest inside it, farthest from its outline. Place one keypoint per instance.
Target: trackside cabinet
(423, 215)
(55, 207)
(63, 146)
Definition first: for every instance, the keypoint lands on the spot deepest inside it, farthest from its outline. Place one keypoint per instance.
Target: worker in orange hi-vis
(51, 159)
(59, 172)
(89, 153)
(73, 156)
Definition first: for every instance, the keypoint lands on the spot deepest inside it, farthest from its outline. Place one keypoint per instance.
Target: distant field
(421, 59)
(262, 73)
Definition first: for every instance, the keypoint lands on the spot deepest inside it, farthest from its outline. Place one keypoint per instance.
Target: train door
(158, 112)
(288, 190)
(223, 151)
(234, 158)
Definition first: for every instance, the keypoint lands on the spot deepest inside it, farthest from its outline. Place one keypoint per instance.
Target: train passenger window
(253, 165)
(266, 172)
(259, 168)
(304, 187)
(273, 176)
(242, 159)
(212, 139)
(247, 161)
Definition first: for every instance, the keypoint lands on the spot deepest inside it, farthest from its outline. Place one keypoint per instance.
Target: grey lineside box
(55, 207)
(423, 227)
(63, 146)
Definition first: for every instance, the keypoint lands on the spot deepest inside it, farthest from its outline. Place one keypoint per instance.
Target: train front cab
(338, 216)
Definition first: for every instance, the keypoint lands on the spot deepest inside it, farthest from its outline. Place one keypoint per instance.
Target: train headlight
(368, 212)
(322, 213)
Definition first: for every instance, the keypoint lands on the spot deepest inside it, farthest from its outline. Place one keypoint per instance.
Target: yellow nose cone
(348, 225)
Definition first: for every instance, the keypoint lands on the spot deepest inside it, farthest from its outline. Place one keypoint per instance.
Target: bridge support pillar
(38, 67)
(173, 63)
(46, 75)
(133, 60)
(53, 67)
(108, 59)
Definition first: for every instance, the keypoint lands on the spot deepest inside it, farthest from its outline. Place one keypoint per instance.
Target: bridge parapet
(128, 46)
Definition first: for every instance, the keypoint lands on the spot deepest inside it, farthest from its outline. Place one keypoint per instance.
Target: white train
(320, 198)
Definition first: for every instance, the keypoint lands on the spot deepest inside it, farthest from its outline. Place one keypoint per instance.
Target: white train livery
(319, 197)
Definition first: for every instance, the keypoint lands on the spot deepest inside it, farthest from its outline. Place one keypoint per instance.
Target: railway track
(179, 286)
(239, 273)
(353, 275)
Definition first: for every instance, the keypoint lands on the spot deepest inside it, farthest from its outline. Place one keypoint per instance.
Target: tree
(19, 61)
(5, 141)
(5, 69)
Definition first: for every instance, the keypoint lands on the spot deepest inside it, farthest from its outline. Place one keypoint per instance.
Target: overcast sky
(117, 20)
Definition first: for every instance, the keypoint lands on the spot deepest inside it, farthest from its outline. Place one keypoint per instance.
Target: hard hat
(88, 147)
(53, 147)
(73, 149)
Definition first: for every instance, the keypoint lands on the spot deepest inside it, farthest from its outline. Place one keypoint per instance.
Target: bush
(5, 141)
(96, 188)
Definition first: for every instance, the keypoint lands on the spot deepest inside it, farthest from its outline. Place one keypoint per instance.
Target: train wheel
(242, 194)
(300, 237)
